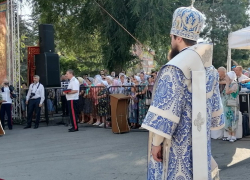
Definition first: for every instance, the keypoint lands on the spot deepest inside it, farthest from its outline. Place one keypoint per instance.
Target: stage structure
(13, 51)
(10, 49)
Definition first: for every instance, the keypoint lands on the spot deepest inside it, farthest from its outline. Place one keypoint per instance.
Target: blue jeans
(23, 104)
(50, 105)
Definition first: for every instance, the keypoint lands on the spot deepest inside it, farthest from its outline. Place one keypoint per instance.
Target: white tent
(238, 40)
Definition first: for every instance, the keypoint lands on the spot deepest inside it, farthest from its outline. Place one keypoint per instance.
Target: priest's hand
(157, 153)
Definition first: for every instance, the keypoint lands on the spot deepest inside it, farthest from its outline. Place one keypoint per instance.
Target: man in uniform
(186, 104)
(72, 97)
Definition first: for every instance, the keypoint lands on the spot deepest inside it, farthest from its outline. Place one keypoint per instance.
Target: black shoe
(27, 127)
(73, 130)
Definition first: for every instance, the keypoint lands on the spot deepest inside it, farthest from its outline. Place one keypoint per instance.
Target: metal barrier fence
(94, 102)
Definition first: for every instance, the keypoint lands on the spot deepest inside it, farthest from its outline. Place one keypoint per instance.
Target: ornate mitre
(187, 22)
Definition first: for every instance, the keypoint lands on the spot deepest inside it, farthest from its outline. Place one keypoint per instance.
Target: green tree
(76, 21)
(82, 25)
(223, 17)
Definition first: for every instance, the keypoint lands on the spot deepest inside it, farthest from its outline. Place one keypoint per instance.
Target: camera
(32, 95)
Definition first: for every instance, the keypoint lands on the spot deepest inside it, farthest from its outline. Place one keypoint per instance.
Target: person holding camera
(7, 96)
(34, 100)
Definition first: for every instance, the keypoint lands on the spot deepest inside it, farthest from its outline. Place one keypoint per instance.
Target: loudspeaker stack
(47, 62)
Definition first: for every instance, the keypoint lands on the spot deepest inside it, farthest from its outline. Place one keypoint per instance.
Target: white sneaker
(101, 125)
(233, 139)
(141, 128)
(227, 139)
(97, 123)
(94, 124)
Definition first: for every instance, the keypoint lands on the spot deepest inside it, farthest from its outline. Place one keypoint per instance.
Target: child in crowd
(133, 108)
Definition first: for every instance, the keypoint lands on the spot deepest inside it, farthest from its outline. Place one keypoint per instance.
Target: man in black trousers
(34, 100)
(72, 96)
(7, 95)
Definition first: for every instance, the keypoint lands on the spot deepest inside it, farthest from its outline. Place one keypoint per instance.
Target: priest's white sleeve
(166, 108)
(157, 140)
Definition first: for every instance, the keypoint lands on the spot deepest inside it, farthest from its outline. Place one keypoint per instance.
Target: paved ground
(233, 158)
(51, 153)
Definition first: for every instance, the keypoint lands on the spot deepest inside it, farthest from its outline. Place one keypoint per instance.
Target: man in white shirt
(34, 100)
(72, 99)
(6, 104)
(240, 76)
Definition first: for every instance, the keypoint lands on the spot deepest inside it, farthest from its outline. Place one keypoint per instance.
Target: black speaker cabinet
(244, 102)
(48, 68)
(46, 38)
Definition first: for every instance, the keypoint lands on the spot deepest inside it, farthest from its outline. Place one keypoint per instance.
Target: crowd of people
(93, 103)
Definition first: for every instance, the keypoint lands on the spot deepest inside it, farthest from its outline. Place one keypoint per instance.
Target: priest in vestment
(176, 149)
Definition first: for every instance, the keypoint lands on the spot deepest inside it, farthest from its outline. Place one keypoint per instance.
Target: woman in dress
(142, 89)
(93, 94)
(81, 99)
(88, 104)
(102, 108)
(230, 104)
(133, 108)
(218, 134)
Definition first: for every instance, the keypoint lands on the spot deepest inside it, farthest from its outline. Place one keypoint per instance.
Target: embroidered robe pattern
(171, 117)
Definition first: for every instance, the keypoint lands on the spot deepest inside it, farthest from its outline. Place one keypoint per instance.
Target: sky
(26, 9)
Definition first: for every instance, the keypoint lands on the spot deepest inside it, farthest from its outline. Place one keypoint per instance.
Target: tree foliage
(77, 21)
(223, 17)
(91, 39)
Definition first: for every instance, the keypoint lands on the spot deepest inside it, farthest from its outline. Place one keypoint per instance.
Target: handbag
(148, 102)
(148, 98)
(232, 103)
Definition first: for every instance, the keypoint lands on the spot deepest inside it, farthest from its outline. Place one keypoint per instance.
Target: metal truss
(13, 52)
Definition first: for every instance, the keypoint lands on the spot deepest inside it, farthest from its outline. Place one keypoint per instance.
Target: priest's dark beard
(172, 53)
